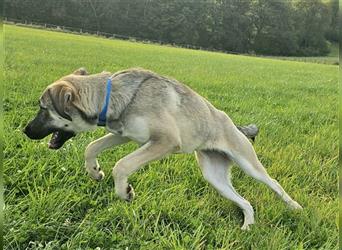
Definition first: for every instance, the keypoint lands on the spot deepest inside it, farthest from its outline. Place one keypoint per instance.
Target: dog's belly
(190, 135)
(187, 148)
(193, 133)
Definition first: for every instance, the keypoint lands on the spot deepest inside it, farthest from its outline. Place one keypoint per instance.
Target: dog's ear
(81, 72)
(62, 96)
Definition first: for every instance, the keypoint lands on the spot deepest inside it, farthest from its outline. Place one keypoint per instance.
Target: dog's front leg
(96, 147)
(152, 150)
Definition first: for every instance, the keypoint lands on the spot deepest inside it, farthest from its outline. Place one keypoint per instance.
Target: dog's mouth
(58, 138)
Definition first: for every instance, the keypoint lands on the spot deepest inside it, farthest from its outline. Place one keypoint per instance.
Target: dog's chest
(135, 128)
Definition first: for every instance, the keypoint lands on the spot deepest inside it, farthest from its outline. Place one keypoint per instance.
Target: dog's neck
(121, 96)
(92, 98)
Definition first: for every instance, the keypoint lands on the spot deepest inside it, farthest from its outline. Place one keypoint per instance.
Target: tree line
(269, 27)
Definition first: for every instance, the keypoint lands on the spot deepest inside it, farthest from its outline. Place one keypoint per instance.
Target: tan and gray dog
(163, 116)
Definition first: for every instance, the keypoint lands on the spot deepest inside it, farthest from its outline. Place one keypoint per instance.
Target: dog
(161, 114)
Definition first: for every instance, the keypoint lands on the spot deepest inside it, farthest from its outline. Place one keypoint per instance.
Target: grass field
(51, 203)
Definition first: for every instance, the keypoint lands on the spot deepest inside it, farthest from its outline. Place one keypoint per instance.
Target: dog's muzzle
(36, 134)
(58, 138)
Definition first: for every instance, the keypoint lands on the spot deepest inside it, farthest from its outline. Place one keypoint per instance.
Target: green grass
(51, 203)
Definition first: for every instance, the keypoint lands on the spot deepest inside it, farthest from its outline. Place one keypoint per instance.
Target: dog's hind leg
(95, 148)
(254, 168)
(245, 157)
(215, 168)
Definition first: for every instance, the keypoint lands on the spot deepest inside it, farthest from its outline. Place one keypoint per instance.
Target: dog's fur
(163, 116)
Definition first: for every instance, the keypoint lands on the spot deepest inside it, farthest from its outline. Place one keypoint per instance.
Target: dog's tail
(250, 131)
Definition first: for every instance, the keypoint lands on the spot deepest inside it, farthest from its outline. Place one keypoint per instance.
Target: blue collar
(103, 114)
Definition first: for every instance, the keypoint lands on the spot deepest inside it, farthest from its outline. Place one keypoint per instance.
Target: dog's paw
(249, 220)
(245, 227)
(95, 172)
(294, 205)
(125, 192)
(130, 193)
(98, 176)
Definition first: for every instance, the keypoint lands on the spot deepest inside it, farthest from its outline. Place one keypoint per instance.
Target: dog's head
(59, 113)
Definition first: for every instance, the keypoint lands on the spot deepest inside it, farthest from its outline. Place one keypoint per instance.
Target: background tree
(311, 22)
(274, 28)
(232, 29)
(332, 32)
(269, 27)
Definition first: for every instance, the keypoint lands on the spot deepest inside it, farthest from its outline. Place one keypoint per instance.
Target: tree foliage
(299, 27)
